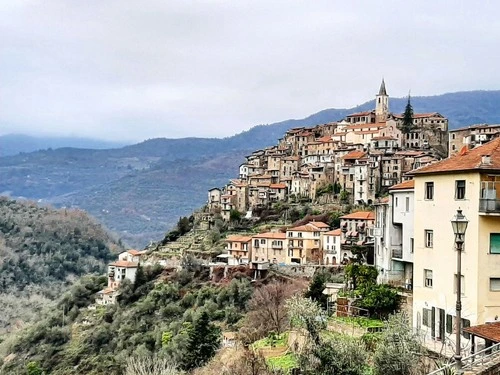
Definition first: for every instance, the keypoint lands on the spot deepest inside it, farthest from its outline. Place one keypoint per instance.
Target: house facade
(239, 249)
(357, 235)
(469, 181)
(270, 247)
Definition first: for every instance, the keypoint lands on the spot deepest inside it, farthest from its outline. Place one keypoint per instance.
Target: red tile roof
(325, 139)
(335, 232)
(467, 160)
(236, 238)
(410, 184)
(125, 264)
(319, 224)
(421, 115)
(277, 186)
(360, 215)
(273, 235)
(489, 331)
(135, 252)
(354, 155)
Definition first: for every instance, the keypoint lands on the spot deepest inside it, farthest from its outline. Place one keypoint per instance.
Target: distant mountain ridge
(140, 190)
(13, 144)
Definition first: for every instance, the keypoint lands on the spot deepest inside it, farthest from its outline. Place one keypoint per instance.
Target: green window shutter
(465, 324)
(449, 323)
(495, 243)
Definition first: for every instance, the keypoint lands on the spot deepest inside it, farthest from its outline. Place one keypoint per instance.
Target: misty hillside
(140, 190)
(42, 251)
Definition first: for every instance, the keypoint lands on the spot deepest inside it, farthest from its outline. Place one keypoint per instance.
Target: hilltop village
(396, 180)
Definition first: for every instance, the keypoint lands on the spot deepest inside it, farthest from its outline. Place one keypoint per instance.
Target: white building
(331, 246)
(394, 241)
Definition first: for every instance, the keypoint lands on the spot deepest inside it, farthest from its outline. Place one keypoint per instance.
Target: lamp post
(459, 224)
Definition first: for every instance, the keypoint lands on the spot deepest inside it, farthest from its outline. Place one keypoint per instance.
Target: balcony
(489, 202)
(489, 206)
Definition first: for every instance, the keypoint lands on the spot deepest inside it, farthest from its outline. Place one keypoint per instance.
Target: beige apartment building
(304, 243)
(270, 247)
(469, 181)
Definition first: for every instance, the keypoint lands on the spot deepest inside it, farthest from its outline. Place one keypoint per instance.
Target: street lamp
(459, 224)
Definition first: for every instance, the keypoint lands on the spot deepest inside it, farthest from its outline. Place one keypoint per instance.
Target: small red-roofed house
(239, 249)
(357, 235)
(269, 247)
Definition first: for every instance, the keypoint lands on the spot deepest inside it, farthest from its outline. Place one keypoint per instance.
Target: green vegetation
(271, 341)
(42, 250)
(286, 363)
(172, 316)
(360, 321)
(407, 125)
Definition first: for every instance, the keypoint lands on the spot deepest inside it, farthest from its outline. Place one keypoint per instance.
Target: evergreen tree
(407, 126)
(203, 341)
(315, 291)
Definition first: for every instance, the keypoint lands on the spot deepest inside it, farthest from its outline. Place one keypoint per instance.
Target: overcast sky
(131, 70)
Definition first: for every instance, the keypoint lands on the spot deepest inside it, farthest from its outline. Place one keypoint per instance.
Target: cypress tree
(407, 118)
(203, 341)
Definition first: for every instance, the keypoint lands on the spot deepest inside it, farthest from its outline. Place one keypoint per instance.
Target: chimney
(485, 160)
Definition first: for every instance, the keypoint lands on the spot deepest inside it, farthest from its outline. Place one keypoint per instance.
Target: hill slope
(140, 190)
(42, 251)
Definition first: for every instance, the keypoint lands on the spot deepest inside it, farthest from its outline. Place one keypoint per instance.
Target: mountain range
(140, 190)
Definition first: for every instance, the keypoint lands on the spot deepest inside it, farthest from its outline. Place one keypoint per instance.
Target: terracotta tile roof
(325, 139)
(125, 264)
(467, 160)
(335, 232)
(383, 138)
(237, 238)
(319, 224)
(409, 184)
(135, 252)
(366, 113)
(421, 115)
(489, 331)
(277, 186)
(305, 228)
(354, 155)
(291, 158)
(273, 235)
(360, 215)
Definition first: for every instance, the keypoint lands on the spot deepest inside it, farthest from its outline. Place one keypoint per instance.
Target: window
(407, 204)
(429, 190)
(429, 238)
(494, 243)
(426, 317)
(299, 234)
(449, 323)
(428, 278)
(290, 234)
(465, 324)
(412, 245)
(462, 286)
(396, 202)
(495, 284)
(316, 234)
(262, 241)
(460, 189)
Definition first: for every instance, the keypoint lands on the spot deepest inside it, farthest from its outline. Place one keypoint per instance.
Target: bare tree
(153, 365)
(268, 310)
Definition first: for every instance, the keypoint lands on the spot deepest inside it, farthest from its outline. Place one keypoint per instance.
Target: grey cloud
(136, 70)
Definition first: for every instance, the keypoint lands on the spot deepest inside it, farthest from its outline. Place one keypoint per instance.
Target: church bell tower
(381, 104)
